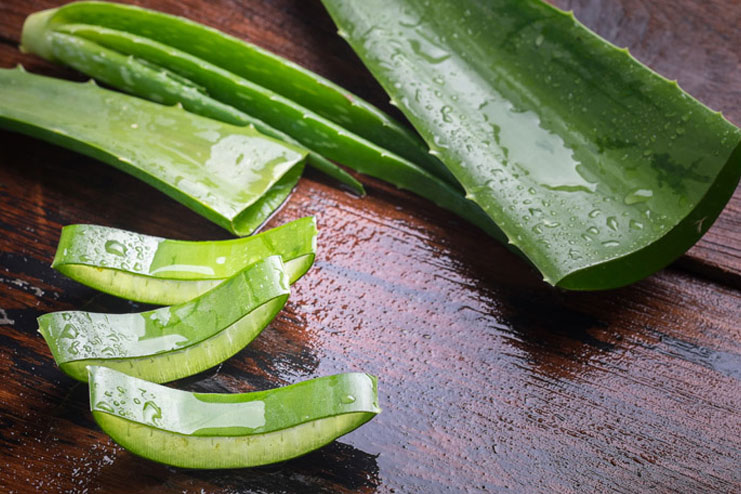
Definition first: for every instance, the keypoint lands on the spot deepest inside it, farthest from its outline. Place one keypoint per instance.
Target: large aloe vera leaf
(209, 430)
(599, 170)
(234, 176)
(162, 271)
(171, 342)
(161, 72)
(243, 60)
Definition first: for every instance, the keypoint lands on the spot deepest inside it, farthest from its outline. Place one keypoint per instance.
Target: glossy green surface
(242, 59)
(141, 63)
(161, 271)
(234, 176)
(135, 76)
(198, 430)
(599, 170)
(171, 342)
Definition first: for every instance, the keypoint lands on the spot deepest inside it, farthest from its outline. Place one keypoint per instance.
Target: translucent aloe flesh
(163, 271)
(200, 430)
(232, 175)
(599, 170)
(109, 42)
(171, 342)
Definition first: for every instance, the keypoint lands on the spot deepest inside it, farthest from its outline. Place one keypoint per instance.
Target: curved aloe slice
(232, 175)
(599, 170)
(242, 59)
(162, 271)
(200, 430)
(171, 342)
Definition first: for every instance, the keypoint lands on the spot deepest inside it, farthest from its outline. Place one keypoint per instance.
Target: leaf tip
(20, 68)
(91, 82)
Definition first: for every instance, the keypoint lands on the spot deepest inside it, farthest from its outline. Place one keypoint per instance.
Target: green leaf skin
(204, 430)
(245, 61)
(234, 176)
(149, 81)
(161, 271)
(599, 170)
(171, 342)
(157, 71)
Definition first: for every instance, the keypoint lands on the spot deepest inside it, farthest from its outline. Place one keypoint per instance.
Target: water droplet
(347, 399)
(73, 348)
(102, 405)
(152, 413)
(430, 52)
(539, 40)
(574, 254)
(593, 230)
(612, 223)
(220, 260)
(116, 248)
(611, 243)
(638, 195)
(445, 110)
(69, 331)
(594, 213)
(636, 225)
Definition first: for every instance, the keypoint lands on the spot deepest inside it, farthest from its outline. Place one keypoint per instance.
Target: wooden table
(490, 380)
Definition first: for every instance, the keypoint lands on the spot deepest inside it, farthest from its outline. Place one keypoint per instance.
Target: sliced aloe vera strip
(234, 176)
(171, 342)
(310, 129)
(599, 170)
(161, 271)
(244, 60)
(155, 83)
(204, 430)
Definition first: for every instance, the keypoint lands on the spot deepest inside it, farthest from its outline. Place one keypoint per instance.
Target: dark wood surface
(490, 381)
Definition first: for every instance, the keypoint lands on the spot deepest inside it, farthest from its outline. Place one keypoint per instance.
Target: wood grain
(490, 381)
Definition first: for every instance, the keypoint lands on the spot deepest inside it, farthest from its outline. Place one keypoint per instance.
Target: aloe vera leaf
(308, 128)
(161, 271)
(599, 170)
(171, 342)
(234, 176)
(215, 430)
(135, 76)
(244, 60)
